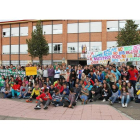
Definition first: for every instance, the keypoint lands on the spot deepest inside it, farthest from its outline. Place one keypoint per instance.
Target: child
(60, 87)
(25, 81)
(119, 84)
(36, 92)
(84, 94)
(30, 88)
(52, 89)
(115, 94)
(124, 96)
(70, 101)
(45, 98)
(7, 92)
(130, 91)
(15, 89)
(20, 81)
(2, 83)
(56, 98)
(23, 91)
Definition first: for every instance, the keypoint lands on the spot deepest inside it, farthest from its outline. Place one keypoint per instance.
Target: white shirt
(57, 74)
(45, 73)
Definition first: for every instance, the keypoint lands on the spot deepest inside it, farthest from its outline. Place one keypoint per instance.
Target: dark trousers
(111, 83)
(67, 103)
(9, 95)
(45, 103)
(34, 96)
(56, 102)
(90, 95)
(96, 97)
(51, 78)
(133, 82)
(55, 79)
(137, 101)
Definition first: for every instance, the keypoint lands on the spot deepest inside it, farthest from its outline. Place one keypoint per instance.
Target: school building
(65, 39)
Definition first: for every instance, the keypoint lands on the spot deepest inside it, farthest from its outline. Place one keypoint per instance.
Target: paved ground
(19, 110)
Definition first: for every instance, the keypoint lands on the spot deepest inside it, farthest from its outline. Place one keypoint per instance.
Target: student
(66, 90)
(7, 91)
(35, 93)
(84, 94)
(56, 98)
(115, 94)
(111, 77)
(20, 81)
(70, 101)
(96, 91)
(11, 82)
(125, 97)
(15, 89)
(88, 80)
(100, 76)
(45, 99)
(124, 83)
(119, 84)
(106, 93)
(52, 89)
(30, 89)
(23, 91)
(130, 90)
(31, 79)
(77, 91)
(60, 87)
(57, 74)
(25, 81)
(48, 82)
(2, 83)
(125, 79)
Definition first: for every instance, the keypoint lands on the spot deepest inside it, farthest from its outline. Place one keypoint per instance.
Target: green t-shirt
(2, 82)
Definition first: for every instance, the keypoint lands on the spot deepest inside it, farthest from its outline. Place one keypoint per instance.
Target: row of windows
(71, 28)
(15, 49)
(58, 48)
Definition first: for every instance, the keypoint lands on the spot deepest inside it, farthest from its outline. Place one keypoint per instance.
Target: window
(34, 27)
(23, 49)
(137, 22)
(96, 27)
(57, 48)
(122, 24)
(23, 31)
(14, 49)
(23, 63)
(112, 26)
(72, 28)
(15, 62)
(72, 47)
(15, 31)
(47, 29)
(83, 27)
(6, 32)
(50, 47)
(111, 44)
(46, 62)
(5, 62)
(96, 46)
(5, 49)
(83, 46)
(57, 29)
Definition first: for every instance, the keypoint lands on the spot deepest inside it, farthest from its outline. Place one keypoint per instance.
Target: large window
(83, 27)
(46, 62)
(96, 46)
(137, 22)
(57, 29)
(122, 24)
(72, 47)
(50, 47)
(57, 47)
(96, 27)
(47, 29)
(14, 49)
(6, 32)
(4, 63)
(23, 31)
(111, 44)
(83, 46)
(15, 31)
(23, 49)
(34, 27)
(23, 63)
(112, 26)
(72, 28)
(15, 62)
(5, 49)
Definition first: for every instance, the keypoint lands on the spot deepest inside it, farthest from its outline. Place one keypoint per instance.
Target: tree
(128, 35)
(37, 44)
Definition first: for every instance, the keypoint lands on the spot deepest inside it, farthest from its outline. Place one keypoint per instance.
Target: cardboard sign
(31, 71)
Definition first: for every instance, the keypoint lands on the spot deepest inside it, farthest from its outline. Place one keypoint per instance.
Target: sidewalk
(10, 108)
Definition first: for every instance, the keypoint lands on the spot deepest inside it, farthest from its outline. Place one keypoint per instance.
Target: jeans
(127, 98)
(15, 92)
(113, 98)
(2, 89)
(45, 103)
(133, 82)
(51, 78)
(84, 97)
(9, 95)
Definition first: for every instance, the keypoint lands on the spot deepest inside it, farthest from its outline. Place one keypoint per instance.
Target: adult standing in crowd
(51, 73)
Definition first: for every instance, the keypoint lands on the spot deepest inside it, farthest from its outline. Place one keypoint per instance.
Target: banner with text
(118, 54)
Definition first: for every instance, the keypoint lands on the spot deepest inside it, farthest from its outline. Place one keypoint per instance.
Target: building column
(104, 35)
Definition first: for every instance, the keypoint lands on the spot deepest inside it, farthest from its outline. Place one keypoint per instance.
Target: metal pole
(19, 43)
(10, 45)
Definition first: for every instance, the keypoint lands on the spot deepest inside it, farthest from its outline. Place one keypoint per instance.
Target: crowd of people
(65, 85)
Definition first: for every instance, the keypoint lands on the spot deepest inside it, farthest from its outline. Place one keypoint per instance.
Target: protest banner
(118, 54)
(31, 71)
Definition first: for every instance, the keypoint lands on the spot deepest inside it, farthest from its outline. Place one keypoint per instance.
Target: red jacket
(85, 83)
(133, 74)
(20, 82)
(60, 88)
(15, 87)
(43, 96)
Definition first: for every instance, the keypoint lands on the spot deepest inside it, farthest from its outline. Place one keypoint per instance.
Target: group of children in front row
(59, 94)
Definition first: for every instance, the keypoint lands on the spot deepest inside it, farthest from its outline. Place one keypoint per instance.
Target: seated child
(56, 98)
(23, 91)
(7, 91)
(70, 101)
(84, 94)
(36, 92)
(52, 89)
(15, 89)
(45, 99)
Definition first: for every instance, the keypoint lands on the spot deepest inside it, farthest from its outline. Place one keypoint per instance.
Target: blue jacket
(93, 77)
(101, 78)
(117, 74)
(67, 91)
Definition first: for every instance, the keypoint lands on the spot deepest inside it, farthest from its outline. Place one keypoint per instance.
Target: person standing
(51, 73)
(57, 74)
(133, 74)
(86, 70)
(45, 73)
